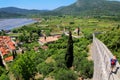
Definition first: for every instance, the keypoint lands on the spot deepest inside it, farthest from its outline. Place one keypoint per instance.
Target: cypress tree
(14, 54)
(78, 31)
(69, 54)
(1, 62)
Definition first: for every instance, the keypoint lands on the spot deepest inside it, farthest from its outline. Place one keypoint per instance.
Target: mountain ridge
(10, 15)
(80, 7)
(20, 10)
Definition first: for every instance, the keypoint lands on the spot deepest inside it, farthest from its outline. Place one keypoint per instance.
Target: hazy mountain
(21, 11)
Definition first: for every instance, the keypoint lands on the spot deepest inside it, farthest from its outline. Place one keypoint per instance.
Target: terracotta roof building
(6, 48)
(49, 39)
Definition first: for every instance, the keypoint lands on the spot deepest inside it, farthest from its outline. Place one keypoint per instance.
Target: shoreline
(8, 24)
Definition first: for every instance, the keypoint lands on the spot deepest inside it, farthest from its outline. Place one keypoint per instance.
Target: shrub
(65, 75)
(45, 68)
(2, 70)
(4, 77)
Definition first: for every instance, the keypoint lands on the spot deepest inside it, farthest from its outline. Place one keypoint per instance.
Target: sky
(36, 4)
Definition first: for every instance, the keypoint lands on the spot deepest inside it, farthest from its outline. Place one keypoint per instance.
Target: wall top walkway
(102, 68)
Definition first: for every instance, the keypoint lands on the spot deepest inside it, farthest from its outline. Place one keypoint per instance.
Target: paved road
(101, 56)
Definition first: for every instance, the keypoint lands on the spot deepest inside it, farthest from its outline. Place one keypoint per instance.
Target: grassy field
(57, 24)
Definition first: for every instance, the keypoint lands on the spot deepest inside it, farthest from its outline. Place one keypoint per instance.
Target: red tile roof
(10, 58)
(3, 51)
(11, 45)
(49, 39)
(6, 44)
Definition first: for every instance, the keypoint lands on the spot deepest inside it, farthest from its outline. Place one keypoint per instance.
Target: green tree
(118, 27)
(21, 38)
(78, 31)
(35, 37)
(15, 31)
(45, 68)
(4, 77)
(47, 32)
(71, 23)
(31, 35)
(24, 67)
(3, 74)
(2, 70)
(63, 74)
(39, 32)
(2, 33)
(69, 55)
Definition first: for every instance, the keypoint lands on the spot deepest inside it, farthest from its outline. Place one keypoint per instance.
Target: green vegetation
(4, 77)
(51, 63)
(9, 15)
(3, 74)
(91, 8)
(24, 66)
(2, 32)
(27, 34)
(112, 39)
(61, 61)
(66, 75)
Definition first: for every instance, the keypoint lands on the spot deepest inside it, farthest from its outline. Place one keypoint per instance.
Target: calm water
(8, 24)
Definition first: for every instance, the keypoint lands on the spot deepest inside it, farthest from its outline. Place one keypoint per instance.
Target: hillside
(9, 15)
(21, 11)
(25, 12)
(91, 7)
(111, 38)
